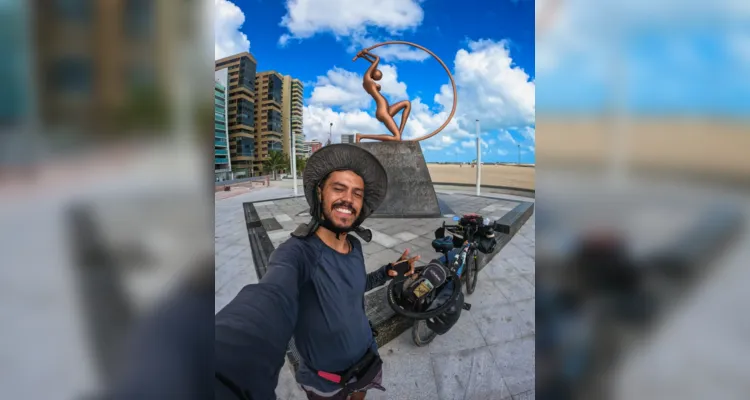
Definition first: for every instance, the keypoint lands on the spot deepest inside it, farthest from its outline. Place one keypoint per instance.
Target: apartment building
(222, 163)
(104, 65)
(314, 145)
(268, 115)
(347, 138)
(264, 113)
(292, 115)
(241, 112)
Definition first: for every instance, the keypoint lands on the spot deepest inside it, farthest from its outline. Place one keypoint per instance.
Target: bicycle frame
(464, 249)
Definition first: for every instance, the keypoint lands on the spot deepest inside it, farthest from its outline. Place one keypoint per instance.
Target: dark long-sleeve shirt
(310, 292)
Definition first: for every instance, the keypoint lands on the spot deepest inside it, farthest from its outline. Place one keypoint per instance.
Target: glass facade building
(241, 109)
(222, 163)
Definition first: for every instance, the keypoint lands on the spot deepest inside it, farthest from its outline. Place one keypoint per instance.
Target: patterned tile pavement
(488, 355)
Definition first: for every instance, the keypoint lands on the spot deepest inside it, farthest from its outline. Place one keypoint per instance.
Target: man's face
(343, 194)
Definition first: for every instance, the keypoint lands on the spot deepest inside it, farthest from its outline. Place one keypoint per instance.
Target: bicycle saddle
(443, 245)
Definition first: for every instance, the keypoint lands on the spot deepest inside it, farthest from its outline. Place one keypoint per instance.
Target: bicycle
(472, 234)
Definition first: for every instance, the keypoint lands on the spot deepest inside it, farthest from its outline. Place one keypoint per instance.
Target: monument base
(410, 190)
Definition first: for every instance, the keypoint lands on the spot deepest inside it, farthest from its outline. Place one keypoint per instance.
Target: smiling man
(313, 291)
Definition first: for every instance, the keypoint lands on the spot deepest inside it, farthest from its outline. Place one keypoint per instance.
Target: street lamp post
(479, 160)
(519, 154)
(330, 129)
(294, 158)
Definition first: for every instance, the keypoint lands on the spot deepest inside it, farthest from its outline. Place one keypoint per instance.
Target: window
(74, 10)
(73, 75)
(139, 18)
(223, 63)
(245, 147)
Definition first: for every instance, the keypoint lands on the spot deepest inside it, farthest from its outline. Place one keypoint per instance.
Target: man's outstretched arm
(252, 332)
(377, 278)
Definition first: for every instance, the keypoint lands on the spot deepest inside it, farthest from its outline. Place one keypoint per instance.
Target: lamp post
(294, 158)
(479, 160)
(330, 128)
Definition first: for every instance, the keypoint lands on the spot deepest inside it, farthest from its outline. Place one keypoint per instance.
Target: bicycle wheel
(421, 334)
(472, 270)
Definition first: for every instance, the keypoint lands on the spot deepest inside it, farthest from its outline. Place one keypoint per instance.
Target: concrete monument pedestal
(410, 190)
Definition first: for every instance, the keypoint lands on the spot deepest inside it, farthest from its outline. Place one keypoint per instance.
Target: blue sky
(666, 58)
(489, 47)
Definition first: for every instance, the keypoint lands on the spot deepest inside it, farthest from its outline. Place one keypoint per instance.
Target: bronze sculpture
(384, 112)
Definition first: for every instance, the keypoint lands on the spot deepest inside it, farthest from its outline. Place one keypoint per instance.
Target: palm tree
(276, 161)
(301, 164)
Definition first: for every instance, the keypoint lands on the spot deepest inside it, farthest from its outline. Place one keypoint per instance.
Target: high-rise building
(315, 145)
(347, 138)
(241, 111)
(104, 65)
(222, 163)
(292, 102)
(15, 76)
(268, 115)
(306, 149)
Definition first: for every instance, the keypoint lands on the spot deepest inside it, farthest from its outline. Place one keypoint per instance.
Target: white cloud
(492, 142)
(739, 46)
(502, 152)
(316, 120)
(343, 88)
(386, 53)
(490, 88)
(445, 139)
(228, 39)
(529, 133)
(469, 144)
(347, 19)
(505, 136)
(531, 148)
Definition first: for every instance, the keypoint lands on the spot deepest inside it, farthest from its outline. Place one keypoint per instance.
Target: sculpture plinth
(410, 190)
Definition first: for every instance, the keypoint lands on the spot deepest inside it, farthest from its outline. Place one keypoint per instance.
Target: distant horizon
(509, 163)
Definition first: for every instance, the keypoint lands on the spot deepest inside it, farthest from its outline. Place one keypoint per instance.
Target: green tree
(301, 164)
(145, 108)
(276, 161)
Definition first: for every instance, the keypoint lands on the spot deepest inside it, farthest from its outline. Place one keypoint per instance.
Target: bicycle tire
(472, 271)
(416, 336)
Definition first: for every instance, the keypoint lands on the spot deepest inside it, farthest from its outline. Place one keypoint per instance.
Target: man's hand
(410, 261)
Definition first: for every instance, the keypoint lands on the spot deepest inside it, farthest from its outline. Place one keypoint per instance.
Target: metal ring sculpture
(450, 76)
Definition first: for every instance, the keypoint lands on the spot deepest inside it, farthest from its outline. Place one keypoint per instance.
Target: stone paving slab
(489, 354)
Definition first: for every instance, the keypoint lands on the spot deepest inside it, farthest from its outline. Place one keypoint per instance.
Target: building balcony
(221, 161)
(220, 142)
(220, 152)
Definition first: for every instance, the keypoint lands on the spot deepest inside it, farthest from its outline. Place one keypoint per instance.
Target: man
(313, 291)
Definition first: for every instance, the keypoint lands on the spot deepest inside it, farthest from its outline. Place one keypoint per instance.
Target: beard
(328, 214)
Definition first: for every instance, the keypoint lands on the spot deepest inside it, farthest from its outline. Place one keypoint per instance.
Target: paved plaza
(489, 354)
